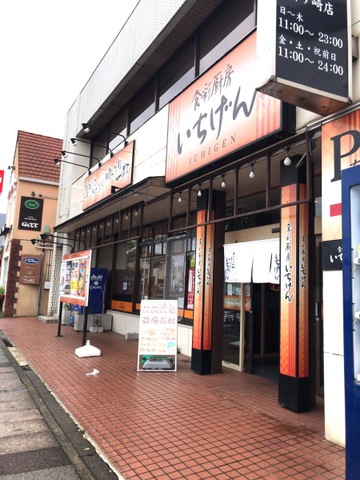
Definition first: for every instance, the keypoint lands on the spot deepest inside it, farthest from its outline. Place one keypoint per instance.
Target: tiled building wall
(53, 303)
(146, 24)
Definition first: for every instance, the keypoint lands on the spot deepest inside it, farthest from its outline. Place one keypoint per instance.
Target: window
(152, 271)
(220, 32)
(118, 125)
(99, 149)
(177, 74)
(230, 23)
(142, 106)
(123, 276)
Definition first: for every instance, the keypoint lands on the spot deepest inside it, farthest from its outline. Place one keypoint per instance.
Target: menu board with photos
(158, 329)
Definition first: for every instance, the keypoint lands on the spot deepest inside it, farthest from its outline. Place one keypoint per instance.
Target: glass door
(232, 323)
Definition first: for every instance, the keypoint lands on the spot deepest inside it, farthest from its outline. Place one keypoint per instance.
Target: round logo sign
(32, 204)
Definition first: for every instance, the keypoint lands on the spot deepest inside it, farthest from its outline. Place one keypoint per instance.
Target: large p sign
(345, 144)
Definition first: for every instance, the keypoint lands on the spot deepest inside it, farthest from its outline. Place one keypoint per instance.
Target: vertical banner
(199, 282)
(303, 285)
(209, 285)
(288, 297)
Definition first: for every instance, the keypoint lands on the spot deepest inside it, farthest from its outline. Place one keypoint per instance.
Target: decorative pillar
(209, 283)
(294, 383)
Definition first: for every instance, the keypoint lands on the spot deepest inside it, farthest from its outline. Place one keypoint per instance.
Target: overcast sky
(48, 51)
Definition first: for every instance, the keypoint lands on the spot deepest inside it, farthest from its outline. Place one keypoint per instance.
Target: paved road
(38, 439)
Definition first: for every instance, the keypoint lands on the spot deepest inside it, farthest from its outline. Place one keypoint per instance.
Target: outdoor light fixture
(87, 127)
(252, 173)
(35, 241)
(49, 237)
(287, 159)
(74, 141)
(199, 194)
(136, 213)
(179, 199)
(57, 161)
(114, 188)
(223, 184)
(65, 153)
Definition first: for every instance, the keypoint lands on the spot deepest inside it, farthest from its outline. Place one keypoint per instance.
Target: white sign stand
(158, 336)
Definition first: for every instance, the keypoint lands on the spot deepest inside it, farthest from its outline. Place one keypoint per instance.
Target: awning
(146, 191)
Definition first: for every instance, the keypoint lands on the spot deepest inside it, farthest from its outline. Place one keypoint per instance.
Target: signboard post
(75, 282)
(158, 335)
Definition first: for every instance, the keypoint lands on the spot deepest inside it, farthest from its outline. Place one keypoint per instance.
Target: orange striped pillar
(209, 277)
(294, 385)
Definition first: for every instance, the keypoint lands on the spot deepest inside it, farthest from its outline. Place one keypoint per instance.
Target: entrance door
(262, 331)
(231, 323)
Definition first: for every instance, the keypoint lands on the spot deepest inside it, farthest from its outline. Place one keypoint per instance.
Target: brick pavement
(166, 425)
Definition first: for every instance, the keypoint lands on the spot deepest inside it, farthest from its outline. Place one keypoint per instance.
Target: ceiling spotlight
(85, 127)
(223, 184)
(287, 159)
(252, 173)
(179, 199)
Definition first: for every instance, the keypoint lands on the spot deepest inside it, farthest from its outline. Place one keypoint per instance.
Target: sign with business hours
(312, 44)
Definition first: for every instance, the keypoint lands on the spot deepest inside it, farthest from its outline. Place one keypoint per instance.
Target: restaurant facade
(202, 163)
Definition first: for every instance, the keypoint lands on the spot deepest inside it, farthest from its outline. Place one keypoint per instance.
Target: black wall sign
(30, 213)
(331, 255)
(312, 44)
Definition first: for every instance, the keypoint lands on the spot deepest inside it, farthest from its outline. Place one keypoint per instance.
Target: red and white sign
(117, 172)
(219, 113)
(1, 180)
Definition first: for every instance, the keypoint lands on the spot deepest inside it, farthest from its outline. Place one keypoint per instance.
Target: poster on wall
(75, 278)
(157, 348)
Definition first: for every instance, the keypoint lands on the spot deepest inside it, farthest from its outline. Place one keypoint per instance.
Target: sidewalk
(166, 425)
(38, 440)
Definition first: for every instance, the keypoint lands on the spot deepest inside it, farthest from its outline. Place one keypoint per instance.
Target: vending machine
(351, 296)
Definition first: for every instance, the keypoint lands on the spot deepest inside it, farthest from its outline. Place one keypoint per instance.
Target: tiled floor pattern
(166, 425)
